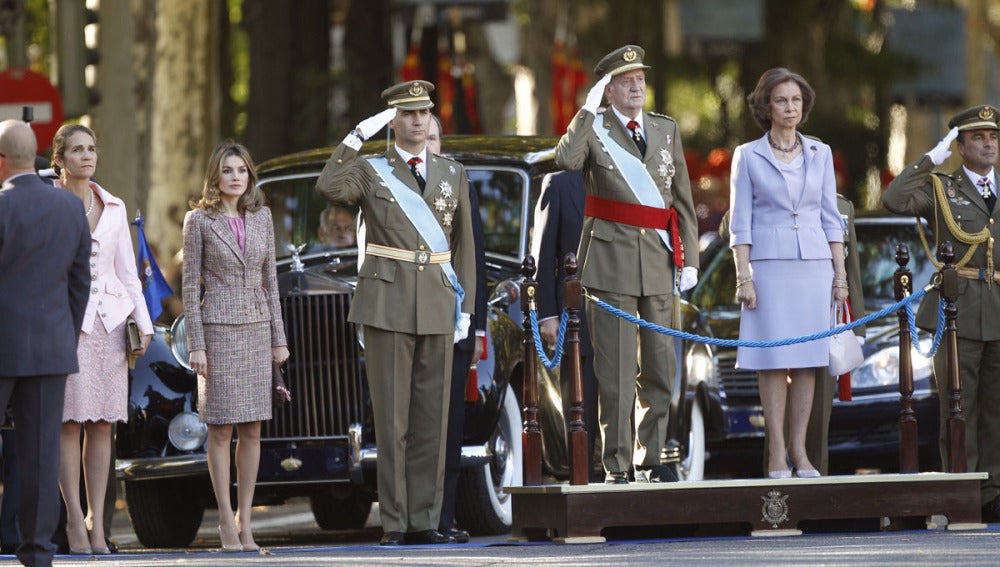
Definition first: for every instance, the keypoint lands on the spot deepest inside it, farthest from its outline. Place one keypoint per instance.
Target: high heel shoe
(229, 548)
(88, 523)
(779, 474)
(77, 550)
(252, 546)
(807, 473)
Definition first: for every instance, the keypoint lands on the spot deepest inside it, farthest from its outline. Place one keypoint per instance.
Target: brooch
(666, 168)
(446, 203)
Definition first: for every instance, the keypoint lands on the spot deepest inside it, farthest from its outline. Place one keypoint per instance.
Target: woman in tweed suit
(229, 249)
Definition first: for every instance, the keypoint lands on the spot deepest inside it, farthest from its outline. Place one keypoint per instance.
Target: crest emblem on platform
(446, 203)
(774, 510)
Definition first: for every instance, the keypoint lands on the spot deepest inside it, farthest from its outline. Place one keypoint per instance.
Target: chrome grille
(736, 383)
(323, 372)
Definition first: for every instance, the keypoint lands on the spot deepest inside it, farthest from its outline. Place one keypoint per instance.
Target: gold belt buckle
(421, 257)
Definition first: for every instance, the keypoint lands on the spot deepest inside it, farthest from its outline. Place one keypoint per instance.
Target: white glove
(689, 277)
(596, 94)
(941, 151)
(369, 127)
(463, 326)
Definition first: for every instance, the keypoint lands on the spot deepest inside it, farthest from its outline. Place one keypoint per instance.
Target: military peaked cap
(411, 95)
(621, 60)
(983, 117)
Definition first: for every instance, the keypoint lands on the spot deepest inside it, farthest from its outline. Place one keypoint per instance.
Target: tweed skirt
(238, 388)
(99, 391)
(793, 300)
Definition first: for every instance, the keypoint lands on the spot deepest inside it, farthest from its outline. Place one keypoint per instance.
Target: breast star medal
(446, 203)
(666, 168)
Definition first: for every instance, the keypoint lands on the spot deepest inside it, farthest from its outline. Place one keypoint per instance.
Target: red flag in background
(568, 76)
(465, 73)
(445, 86)
(556, 92)
(575, 79)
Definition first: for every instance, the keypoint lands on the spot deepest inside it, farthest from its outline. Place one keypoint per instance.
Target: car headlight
(179, 342)
(881, 369)
(187, 432)
(700, 366)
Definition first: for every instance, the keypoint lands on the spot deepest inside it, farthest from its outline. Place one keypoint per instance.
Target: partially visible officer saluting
(638, 221)
(959, 206)
(416, 291)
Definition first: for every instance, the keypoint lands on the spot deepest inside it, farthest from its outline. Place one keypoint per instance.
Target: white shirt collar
(422, 166)
(975, 177)
(625, 120)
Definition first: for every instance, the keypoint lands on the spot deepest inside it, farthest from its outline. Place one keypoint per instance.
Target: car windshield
(877, 240)
(303, 218)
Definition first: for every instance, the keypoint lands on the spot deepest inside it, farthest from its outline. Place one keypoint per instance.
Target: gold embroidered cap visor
(411, 95)
(621, 60)
(983, 117)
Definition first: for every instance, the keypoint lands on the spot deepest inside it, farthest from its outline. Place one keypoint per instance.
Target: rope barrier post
(531, 438)
(579, 460)
(903, 286)
(956, 423)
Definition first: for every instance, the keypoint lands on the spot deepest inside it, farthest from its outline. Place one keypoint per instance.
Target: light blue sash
(423, 220)
(636, 175)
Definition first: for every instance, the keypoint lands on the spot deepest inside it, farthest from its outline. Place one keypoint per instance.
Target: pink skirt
(99, 392)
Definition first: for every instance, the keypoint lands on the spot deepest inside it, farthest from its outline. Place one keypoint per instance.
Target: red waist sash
(641, 216)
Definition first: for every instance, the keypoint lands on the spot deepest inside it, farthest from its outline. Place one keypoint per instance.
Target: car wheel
(482, 507)
(333, 512)
(692, 466)
(166, 513)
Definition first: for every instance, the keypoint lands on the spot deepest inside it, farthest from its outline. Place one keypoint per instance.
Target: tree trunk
(289, 75)
(185, 113)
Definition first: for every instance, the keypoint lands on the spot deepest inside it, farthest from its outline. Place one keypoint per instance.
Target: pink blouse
(239, 228)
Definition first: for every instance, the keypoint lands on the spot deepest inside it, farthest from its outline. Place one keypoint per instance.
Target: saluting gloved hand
(941, 151)
(596, 94)
(689, 277)
(369, 127)
(462, 331)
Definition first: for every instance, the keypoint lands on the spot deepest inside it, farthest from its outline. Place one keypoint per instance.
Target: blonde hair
(61, 138)
(252, 198)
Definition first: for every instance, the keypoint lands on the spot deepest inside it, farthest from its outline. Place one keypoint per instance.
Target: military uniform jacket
(395, 295)
(912, 193)
(618, 257)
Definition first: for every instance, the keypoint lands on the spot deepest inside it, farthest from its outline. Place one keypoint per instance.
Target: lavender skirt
(793, 299)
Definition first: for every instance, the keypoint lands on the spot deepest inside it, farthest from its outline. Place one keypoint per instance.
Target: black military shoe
(427, 537)
(616, 478)
(392, 538)
(991, 511)
(460, 536)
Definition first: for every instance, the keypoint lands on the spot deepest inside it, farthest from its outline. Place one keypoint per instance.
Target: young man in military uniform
(415, 293)
(961, 205)
(639, 221)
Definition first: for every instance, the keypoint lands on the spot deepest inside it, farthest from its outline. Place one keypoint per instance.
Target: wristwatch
(358, 134)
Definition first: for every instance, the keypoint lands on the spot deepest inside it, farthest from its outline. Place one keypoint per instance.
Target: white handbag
(845, 351)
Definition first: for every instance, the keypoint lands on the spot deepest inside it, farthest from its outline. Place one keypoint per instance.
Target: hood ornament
(297, 265)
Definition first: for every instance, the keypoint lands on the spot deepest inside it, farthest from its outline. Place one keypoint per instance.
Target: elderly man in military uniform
(416, 290)
(960, 207)
(638, 222)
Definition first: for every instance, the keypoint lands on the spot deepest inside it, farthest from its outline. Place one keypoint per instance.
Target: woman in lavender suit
(787, 240)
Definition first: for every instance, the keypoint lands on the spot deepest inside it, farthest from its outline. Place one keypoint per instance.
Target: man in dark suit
(44, 285)
(468, 351)
(558, 222)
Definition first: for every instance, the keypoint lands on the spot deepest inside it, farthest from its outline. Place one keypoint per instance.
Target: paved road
(291, 537)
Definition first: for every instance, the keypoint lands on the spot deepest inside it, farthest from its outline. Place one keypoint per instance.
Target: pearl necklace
(90, 208)
(781, 149)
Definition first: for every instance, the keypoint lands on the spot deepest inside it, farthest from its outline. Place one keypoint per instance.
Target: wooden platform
(577, 514)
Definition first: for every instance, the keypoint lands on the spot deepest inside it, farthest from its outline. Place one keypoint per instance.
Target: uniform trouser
(632, 381)
(409, 377)
(38, 408)
(817, 436)
(979, 369)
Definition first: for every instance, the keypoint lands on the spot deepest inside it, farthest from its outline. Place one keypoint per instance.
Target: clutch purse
(133, 341)
(278, 387)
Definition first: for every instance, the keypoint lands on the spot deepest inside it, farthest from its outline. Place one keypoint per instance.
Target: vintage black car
(322, 445)
(864, 432)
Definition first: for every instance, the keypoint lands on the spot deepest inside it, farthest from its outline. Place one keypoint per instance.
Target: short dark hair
(760, 99)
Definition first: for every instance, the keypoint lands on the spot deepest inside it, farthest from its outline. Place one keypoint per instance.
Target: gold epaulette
(973, 240)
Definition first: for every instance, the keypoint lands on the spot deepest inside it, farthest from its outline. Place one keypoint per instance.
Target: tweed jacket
(763, 214)
(912, 193)
(113, 270)
(618, 257)
(395, 295)
(240, 287)
(44, 277)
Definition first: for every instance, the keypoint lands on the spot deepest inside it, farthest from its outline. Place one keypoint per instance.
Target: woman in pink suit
(787, 239)
(235, 330)
(97, 395)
